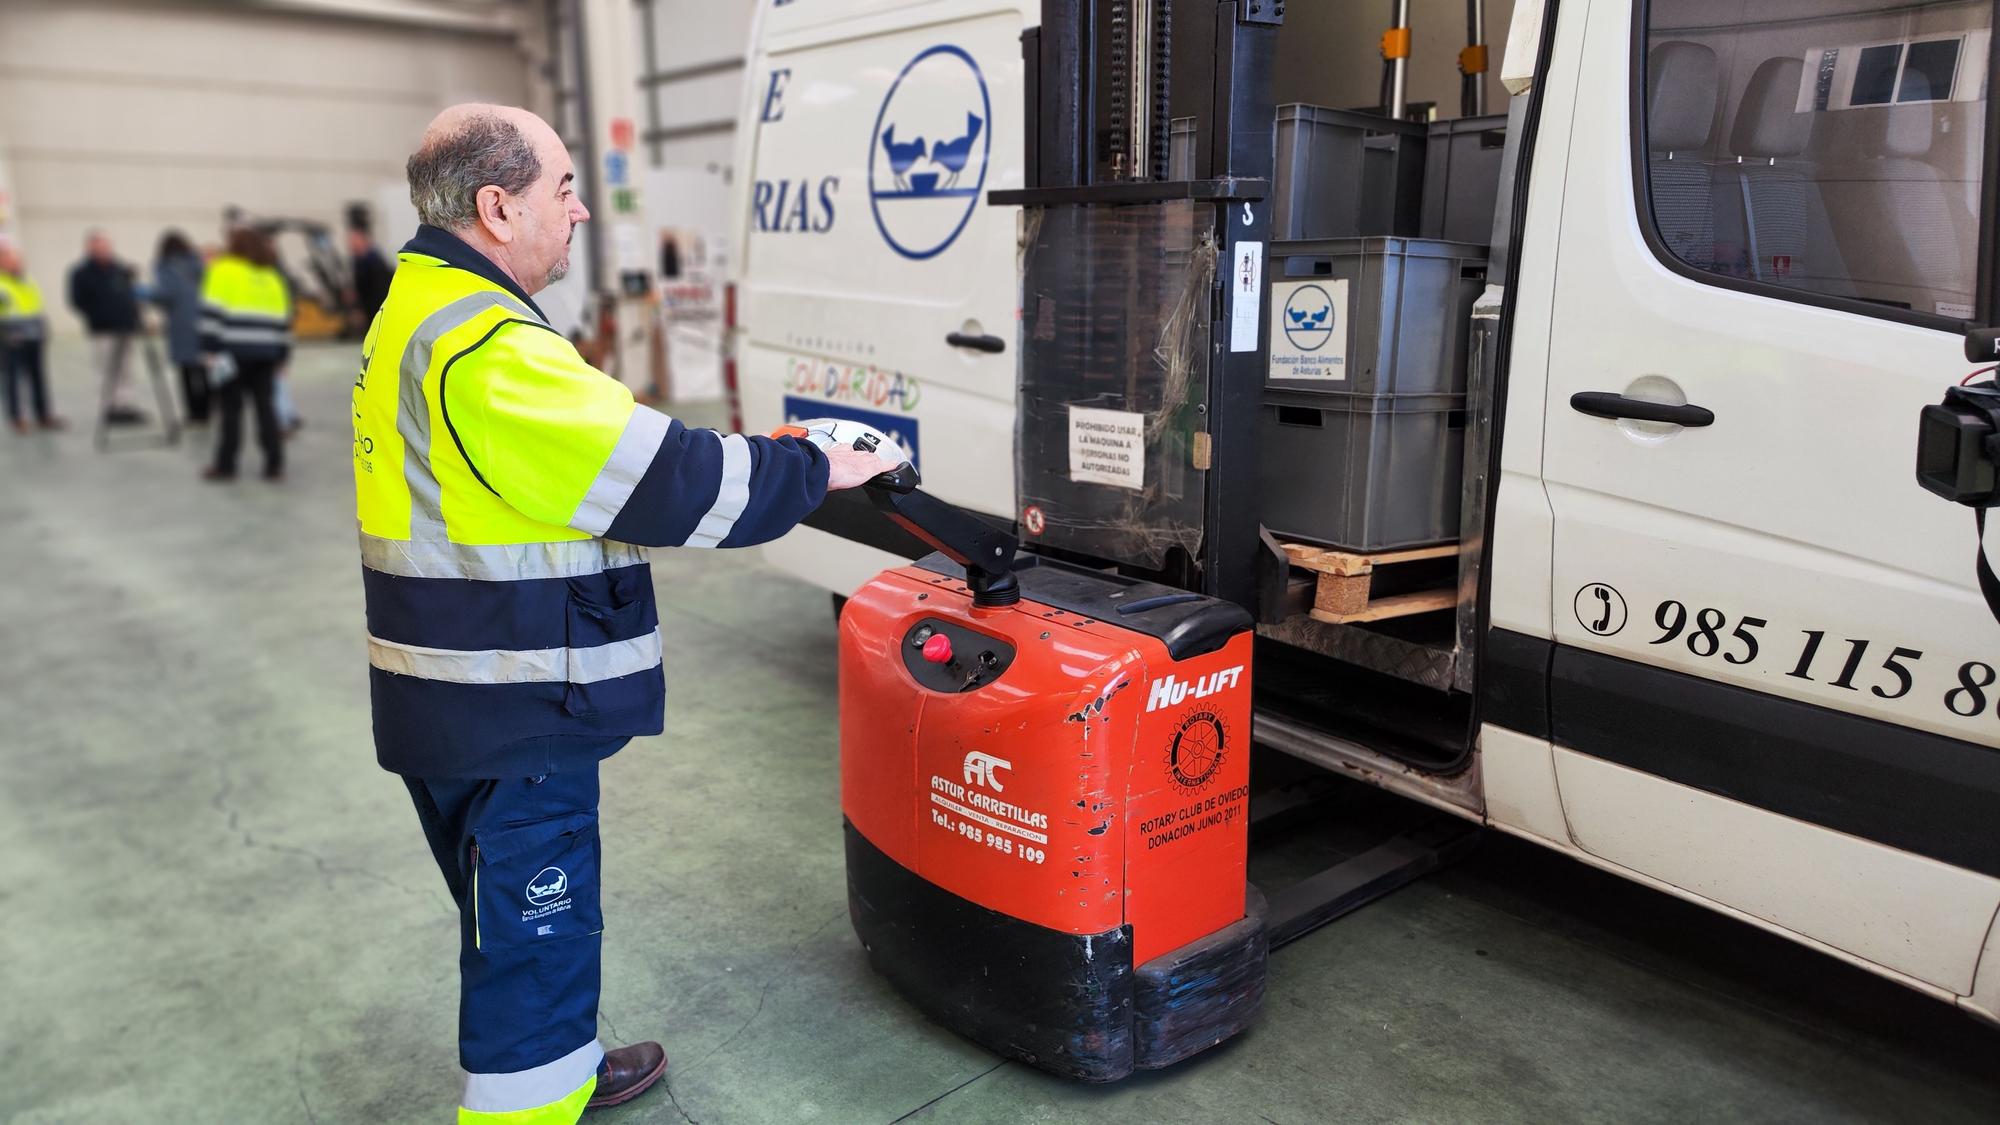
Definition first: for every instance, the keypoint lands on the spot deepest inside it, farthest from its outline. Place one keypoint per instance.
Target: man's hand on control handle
(850, 467)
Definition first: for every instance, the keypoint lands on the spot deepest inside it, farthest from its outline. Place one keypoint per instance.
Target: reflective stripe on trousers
(551, 1094)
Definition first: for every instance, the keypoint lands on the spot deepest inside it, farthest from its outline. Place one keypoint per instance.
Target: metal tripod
(170, 419)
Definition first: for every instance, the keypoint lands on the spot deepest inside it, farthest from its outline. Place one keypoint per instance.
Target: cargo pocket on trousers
(535, 883)
(606, 642)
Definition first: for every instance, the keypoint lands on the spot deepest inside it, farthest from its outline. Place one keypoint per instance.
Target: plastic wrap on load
(1116, 307)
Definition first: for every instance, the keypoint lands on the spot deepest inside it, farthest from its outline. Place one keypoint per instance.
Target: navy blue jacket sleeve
(705, 489)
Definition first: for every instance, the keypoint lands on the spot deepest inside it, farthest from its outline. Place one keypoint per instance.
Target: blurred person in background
(177, 273)
(24, 329)
(103, 292)
(246, 335)
(371, 274)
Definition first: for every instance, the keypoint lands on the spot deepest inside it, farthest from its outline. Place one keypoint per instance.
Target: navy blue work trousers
(522, 859)
(22, 363)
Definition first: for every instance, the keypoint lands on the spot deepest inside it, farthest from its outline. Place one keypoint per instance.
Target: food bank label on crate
(1107, 447)
(1309, 330)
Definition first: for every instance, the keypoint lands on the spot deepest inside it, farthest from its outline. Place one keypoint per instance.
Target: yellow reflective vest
(21, 316)
(246, 310)
(504, 489)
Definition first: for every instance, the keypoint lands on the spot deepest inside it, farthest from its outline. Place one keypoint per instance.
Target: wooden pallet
(1346, 592)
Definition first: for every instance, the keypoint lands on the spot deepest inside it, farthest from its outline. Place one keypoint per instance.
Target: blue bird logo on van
(928, 155)
(948, 156)
(1309, 318)
(902, 157)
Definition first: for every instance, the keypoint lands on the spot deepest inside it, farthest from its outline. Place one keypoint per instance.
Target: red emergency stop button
(937, 650)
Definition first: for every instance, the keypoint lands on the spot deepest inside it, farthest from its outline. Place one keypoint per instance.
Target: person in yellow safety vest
(505, 490)
(23, 338)
(246, 333)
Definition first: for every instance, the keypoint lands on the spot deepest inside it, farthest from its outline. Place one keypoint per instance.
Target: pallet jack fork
(1397, 858)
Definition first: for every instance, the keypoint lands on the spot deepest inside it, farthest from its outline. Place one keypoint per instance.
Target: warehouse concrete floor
(219, 910)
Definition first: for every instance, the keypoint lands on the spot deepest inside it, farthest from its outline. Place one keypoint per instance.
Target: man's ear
(490, 205)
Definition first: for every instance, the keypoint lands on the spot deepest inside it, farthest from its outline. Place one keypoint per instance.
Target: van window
(1818, 148)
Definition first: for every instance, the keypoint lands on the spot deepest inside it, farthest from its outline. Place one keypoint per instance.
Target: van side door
(877, 284)
(1774, 685)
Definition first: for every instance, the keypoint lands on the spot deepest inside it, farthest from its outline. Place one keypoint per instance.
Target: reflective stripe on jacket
(246, 310)
(21, 318)
(504, 489)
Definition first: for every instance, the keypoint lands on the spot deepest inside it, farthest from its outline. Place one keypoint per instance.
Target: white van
(874, 283)
(1731, 652)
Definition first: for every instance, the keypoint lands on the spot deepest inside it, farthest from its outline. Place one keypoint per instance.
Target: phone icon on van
(1600, 609)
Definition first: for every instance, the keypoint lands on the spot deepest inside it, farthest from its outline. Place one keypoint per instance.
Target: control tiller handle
(986, 552)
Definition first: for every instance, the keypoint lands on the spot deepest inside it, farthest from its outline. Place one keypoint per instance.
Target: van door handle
(1604, 404)
(992, 344)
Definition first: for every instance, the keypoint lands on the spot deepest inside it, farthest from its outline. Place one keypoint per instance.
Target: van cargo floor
(1418, 726)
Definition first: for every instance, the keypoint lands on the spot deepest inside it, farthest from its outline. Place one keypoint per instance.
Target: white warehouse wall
(696, 57)
(698, 48)
(139, 115)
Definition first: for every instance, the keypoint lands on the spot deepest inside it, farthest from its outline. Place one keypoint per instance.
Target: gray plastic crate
(1341, 174)
(1408, 314)
(1462, 178)
(1361, 474)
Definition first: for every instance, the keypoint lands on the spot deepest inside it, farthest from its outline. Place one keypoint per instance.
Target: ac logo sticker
(1172, 691)
(984, 769)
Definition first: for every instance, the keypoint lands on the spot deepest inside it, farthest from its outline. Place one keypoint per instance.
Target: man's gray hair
(448, 171)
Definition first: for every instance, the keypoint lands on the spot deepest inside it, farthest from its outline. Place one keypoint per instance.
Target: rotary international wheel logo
(1197, 751)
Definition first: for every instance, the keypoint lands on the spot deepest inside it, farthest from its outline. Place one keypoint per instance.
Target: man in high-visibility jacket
(23, 338)
(505, 489)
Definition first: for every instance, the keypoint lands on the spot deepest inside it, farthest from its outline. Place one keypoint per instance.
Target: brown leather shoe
(628, 1072)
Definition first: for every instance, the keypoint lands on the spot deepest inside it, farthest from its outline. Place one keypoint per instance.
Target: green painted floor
(217, 909)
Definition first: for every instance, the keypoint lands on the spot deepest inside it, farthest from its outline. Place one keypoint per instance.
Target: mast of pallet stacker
(1472, 61)
(1396, 52)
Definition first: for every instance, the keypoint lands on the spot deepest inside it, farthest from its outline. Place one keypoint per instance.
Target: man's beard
(561, 269)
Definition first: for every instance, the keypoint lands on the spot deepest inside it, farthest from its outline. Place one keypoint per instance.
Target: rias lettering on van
(794, 206)
(1171, 691)
(774, 94)
(790, 206)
